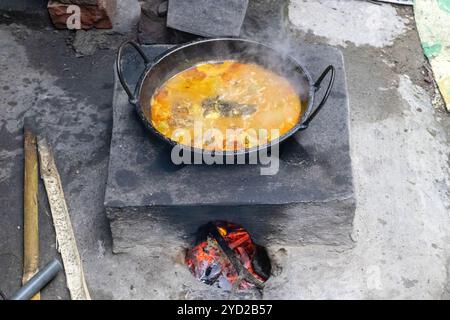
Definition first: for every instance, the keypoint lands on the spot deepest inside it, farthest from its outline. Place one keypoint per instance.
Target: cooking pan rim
(299, 126)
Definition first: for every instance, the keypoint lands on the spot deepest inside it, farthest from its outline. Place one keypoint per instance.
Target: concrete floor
(399, 150)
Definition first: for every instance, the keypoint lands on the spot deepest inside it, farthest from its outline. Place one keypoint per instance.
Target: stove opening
(226, 257)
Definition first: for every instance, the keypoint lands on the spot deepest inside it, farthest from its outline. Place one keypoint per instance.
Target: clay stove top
(315, 166)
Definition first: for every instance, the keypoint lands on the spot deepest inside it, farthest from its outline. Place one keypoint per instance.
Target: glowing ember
(211, 264)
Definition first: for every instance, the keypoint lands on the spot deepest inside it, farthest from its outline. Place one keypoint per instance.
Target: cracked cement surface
(399, 149)
(400, 153)
(342, 21)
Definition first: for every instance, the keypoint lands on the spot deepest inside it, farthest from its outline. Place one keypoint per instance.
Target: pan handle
(317, 86)
(119, 66)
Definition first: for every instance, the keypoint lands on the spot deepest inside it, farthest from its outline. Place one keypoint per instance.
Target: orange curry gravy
(225, 95)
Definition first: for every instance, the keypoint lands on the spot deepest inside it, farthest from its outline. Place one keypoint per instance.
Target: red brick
(97, 15)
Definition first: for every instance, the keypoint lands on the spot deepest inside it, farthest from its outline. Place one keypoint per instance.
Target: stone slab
(207, 18)
(149, 201)
(152, 28)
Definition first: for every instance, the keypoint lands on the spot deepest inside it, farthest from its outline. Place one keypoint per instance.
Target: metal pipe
(39, 281)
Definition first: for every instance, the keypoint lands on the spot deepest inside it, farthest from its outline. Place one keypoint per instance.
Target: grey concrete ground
(399, 150)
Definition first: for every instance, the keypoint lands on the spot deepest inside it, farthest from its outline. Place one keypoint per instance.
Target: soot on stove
(225, 256)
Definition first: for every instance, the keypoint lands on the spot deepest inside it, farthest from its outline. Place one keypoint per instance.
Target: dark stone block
(153, 29)
(149, 201)
(209, 18)
(26, 6)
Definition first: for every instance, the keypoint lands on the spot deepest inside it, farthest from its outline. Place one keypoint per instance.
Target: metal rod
(39, 281)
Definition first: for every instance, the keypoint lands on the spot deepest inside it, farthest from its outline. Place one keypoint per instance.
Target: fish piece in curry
(225, 95)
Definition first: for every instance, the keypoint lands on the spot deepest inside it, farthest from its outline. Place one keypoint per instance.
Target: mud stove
(151, 202)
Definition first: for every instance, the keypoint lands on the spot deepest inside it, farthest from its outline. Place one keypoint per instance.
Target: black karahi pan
(185, 56)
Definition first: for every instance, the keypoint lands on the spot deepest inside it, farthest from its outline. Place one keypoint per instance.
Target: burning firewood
(226, 257)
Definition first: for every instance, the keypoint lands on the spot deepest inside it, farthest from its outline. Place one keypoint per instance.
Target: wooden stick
(30, 210)
(229, 253)
(65, 236)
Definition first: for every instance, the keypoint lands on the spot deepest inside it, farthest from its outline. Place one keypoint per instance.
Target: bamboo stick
(65, 236)
(31, 215)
